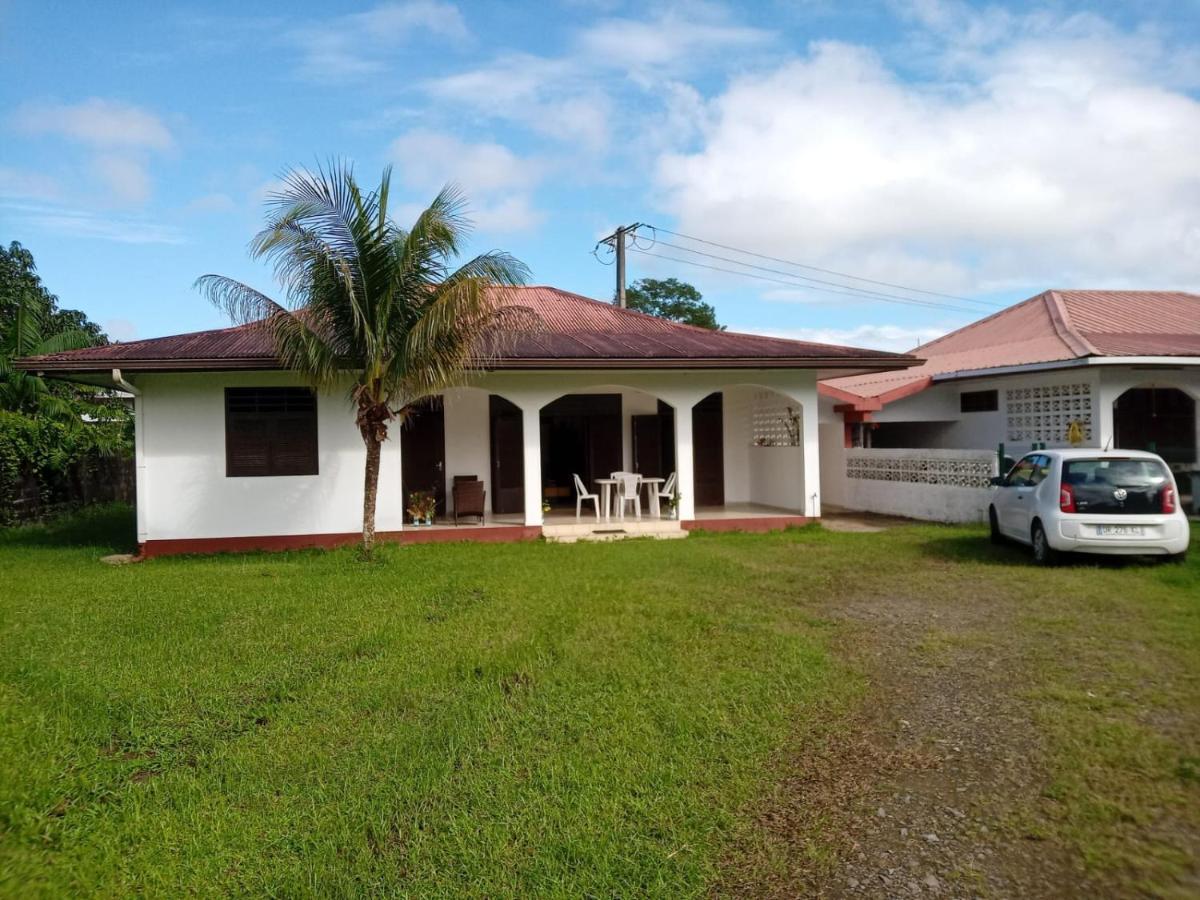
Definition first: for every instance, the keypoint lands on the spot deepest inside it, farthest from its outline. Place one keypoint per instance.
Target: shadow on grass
(111, 527)
(979, 549)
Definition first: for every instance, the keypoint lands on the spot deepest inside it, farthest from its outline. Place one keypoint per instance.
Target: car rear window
(1117, 486)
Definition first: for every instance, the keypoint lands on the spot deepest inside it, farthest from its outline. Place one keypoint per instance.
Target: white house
(234, 453)
(1114, 369)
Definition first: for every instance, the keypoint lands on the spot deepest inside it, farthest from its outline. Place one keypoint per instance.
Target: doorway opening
(581, 435)
(423, 452)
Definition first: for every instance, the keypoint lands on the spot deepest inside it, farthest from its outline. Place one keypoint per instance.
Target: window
(1022, 474)
(979, 401)
(270, 431)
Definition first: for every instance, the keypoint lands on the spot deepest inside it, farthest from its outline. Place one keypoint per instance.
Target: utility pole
(616, 241)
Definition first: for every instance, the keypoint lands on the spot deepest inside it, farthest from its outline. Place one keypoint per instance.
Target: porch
(738, 454)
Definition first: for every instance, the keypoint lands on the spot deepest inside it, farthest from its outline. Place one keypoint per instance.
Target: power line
(789, 262)
(796, 284)
(737, 262)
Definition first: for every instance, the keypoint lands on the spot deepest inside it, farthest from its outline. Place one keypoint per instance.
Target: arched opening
(1162, 420)
(599, 430)
(764, 450)
(708, 450)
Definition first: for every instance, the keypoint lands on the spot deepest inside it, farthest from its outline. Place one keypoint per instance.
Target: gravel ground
(924, 787)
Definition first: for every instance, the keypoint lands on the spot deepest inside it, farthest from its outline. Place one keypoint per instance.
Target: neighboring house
(234, 453)
(1123, 367)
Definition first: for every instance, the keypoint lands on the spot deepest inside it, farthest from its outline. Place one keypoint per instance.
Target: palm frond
(71, 339)
(242, 303)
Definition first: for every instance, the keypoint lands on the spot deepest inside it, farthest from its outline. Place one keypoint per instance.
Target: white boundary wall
(934, 485)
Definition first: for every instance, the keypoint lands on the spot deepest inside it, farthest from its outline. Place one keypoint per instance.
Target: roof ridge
(1060, 318)
(977, 323)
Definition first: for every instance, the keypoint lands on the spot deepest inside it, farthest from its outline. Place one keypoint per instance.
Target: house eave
(63, 368)
(1050, 365)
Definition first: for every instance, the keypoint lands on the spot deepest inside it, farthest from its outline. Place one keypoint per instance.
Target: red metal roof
(566, 330)
(1053, 326)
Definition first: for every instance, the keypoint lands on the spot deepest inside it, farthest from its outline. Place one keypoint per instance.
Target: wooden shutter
(270, 431)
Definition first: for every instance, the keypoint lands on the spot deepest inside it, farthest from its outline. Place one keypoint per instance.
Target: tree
(369, 302)
(672, 299)
(54, 435)
(31, 324)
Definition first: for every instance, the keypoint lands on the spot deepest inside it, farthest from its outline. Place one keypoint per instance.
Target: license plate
(1119, 530)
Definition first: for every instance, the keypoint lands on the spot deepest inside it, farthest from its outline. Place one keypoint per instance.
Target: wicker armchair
(469, 497)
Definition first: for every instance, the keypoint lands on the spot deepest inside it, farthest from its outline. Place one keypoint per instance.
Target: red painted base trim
(275, 542)
(756, 524)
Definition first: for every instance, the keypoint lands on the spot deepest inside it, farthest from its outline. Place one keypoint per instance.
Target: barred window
(270, 431)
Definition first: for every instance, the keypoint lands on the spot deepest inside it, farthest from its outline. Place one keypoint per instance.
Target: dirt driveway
(944, 780)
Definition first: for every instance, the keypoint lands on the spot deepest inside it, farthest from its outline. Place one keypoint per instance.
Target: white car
(1090, 501)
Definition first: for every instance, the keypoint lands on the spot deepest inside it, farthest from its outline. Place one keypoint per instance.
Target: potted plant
(429, 507)
(673, 506)
(545, 506)
(414, 509)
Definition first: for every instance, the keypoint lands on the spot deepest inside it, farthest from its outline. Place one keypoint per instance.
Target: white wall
(767, 476)
(468, 438)
(186, 493)
(915, 499)
(981, 430)
(736, 406)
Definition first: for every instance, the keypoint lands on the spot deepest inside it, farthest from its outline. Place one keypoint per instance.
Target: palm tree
(32, 332)
(370, 301)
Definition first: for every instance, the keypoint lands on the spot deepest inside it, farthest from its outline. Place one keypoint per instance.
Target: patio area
(734, 458)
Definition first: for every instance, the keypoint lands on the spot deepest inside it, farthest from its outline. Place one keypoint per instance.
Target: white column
(1104, 395)
(141, 497)
(812, 456)
(684, 467)
(531, 421)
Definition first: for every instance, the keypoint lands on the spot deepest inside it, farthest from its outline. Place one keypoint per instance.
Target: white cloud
(30, 185)
(496, 181)
(126, 178)
(548, 96)
(428, 159)
(119, 329)
(97, 123)
(671, 38)
(84, 223)
(507, 215)
(899, 338)
(359, 44)
(595, 93)
(212, 203)
(1059, 157)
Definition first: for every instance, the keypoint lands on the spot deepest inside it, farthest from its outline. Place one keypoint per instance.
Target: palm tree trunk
(370, 491)
(372, 420)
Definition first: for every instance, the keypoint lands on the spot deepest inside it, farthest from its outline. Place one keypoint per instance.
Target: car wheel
(1176, 558)
(994, 526)
(1043, 553)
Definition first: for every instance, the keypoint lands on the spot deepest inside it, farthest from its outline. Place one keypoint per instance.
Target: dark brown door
(708, 451)
(647, 446)
(423, 453)
(508, 457)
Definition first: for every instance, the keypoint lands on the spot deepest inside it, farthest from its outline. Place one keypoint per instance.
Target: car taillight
(1066, 498)
(1168, 500)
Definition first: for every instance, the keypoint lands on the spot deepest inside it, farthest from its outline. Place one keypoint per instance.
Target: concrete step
(569, 532)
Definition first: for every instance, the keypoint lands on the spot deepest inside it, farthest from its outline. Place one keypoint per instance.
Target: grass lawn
(502, 720)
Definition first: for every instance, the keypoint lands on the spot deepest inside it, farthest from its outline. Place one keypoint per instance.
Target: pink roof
(1053, 326)
(564, 330)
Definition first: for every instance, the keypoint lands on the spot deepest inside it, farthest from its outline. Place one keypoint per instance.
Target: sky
(953, 157)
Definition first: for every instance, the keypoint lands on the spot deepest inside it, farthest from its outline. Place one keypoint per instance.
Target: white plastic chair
(581, 494)
(668, 488)
(628, 491)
